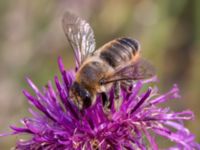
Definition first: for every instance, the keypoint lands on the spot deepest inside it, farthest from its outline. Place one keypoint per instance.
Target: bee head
(81, 96)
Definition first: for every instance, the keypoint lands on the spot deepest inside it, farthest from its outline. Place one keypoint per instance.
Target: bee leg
(127, 85)
(117, 94)
(104, 98)
(106, 102)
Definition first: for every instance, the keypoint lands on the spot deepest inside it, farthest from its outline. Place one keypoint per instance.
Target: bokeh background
(31, 39)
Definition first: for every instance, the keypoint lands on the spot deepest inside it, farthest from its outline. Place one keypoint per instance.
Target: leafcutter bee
(99, 69)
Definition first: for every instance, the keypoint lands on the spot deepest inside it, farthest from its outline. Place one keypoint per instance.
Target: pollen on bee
(136, 57)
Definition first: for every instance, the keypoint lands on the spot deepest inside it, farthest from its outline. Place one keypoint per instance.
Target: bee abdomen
(130, 43)
(119, 51)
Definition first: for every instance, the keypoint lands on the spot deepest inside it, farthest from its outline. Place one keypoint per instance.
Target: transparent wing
(139, 70)
(80, 36)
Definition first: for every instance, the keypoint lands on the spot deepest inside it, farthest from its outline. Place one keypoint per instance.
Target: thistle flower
(57, 123)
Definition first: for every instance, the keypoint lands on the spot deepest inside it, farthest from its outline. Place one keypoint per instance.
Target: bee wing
(80, 36)
(141, 69)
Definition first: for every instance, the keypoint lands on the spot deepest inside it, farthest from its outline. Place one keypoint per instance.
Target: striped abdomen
(119, 51)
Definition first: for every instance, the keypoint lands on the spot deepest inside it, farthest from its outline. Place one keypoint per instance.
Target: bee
(97, 70)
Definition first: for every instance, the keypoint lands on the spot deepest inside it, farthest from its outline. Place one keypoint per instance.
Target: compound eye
(87, 95)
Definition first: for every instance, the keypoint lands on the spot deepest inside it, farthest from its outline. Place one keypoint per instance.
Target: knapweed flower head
(57, 123)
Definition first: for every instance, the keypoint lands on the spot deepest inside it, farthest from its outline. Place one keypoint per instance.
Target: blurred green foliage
(31, 39)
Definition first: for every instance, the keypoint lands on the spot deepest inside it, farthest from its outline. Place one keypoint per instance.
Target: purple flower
(57, 123)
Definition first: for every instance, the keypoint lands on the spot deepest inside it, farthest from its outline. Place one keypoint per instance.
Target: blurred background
(31, 39)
